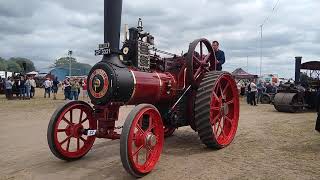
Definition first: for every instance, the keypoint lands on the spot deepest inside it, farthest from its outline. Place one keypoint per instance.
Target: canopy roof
(239, 73)
(311, 65)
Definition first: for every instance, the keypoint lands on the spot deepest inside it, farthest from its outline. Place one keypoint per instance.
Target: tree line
(16, 64)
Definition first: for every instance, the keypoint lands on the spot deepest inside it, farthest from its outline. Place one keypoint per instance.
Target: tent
(239, 73)
(32, 73)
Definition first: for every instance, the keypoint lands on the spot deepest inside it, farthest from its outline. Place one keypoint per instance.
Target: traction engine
(168, 93)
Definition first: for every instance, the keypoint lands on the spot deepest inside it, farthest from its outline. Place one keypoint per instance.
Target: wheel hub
(224, 107)
(74, 130)
(151, 140)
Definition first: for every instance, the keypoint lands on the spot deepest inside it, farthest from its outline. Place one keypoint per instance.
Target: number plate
(91, 132)
(102, 52)
(104, 46)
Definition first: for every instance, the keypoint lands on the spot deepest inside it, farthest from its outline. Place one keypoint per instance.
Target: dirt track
(268, 145)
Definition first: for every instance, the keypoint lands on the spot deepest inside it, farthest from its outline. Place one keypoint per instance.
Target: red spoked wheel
(141, 140)
(217, 109)
(67, 130)
(199, 56)
(168, 131)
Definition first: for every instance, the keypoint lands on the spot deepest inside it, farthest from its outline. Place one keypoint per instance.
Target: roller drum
(288, 102)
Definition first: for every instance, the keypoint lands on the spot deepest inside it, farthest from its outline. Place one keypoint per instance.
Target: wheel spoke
(221, 128)
(215, 95)
(68, 144)
(66, 120)
(151, 125)
(137, 151)
(148, 152)
(197, 60)
(70, 115)
(84, 141)
(84, 120)
(207, 58)
(78, 143)
(216, 126)
(68, 138)
(229, 120)
(201, 53)
(230, 102)
(221, 92)
(225, 88)
(215, 108)
(80, 119)
(196, 75)
(139, 128)
(61, 130)
(222, 131)
(214, 120)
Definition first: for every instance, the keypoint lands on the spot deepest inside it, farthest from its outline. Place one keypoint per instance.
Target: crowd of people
(254, 91)
(22, 86)
(70, 87)
(25, 86)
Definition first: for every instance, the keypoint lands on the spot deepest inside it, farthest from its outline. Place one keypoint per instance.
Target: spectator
(33, 87)
(22, 88)
(28, 87)
(8, 85)
(74, 89)
(67, 89)
(51, 85)
(84, 89)
(55, 84)
(260, 88)
(239, 87)
(253, 92)
(47, 87)
(248, 90)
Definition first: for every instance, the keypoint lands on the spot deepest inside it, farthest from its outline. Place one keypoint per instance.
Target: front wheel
(67, 129)
(141, 140)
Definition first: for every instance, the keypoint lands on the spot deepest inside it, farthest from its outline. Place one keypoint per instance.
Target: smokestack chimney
(297, 70)
(112, 23)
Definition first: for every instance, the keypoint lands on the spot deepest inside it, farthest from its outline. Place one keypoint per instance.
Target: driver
(219, 55)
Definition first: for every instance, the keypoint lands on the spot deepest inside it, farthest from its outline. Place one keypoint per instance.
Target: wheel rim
(224, 110)
(69, 138)
(145, 140)
(199, 60)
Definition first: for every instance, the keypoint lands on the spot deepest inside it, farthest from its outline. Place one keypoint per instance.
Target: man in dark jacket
(219, 55)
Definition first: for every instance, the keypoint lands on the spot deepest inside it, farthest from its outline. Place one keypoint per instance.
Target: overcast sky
(44, 30)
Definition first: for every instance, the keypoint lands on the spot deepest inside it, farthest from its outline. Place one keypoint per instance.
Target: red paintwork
(74, 130)
(106, 117)
(138, 140)
(224, 123)
(153, 87)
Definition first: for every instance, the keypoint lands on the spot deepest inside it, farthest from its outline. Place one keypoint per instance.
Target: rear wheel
(217, 109)
(141, 140)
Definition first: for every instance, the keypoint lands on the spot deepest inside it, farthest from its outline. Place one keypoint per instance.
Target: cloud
(45, 30)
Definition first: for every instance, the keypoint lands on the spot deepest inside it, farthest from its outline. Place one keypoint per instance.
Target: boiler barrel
(152, 87)
(110, 83)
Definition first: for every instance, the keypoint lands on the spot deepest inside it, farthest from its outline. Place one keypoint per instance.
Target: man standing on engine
(218, 55)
